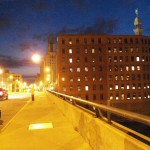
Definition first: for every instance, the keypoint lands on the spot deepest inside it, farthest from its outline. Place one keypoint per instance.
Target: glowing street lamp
(36, 58)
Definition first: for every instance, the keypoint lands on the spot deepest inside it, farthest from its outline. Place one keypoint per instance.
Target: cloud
(100, 26)
(27, 46)
(13, 62)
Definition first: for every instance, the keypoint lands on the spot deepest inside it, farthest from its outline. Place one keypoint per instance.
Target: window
(116, 87)
(110, 68)
(63, 41)
(85, 59)
(86, 88)
(71, 88)
(86, 51)
(110, 77)
(77, 40)
(78, 79)
(115, 58)
(100, 68)
(63, 69)
(122, 86)
(133, 86)
(134, 95)
(132, 58)
(101, 87)
(111, 97)
(109, 59)
(139, 85)
(70, 41)
(85, 40)
(99, 40)
(110, 87)
(70, 51)
(117, 96)
(70, 60)
(78, 88)
(127, 68)
(93, 59)
(78, 69)
(101, 97)
(86, 78)
(94, 78)
(71, 79)
(93, 68)
(116, 77)
(63, 51)
(92, 40)
(127, 77)
(132, 68)
(94, 87)
(128, 86)
(86, 69)
(93, 50)
(78, 60)
(71, 69)
(115, 50)
(109, 50)
(133, 76)
(138, 68)
(64, 88)
(128, 95)
(100, 58)
(121, 58)
(122, 96)
(121, 77)
(94, 96)
(137, 58)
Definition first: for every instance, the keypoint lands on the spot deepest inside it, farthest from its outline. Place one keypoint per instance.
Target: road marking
(40, 126)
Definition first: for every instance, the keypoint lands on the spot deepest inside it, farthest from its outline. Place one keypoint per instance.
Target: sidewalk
(59, 134)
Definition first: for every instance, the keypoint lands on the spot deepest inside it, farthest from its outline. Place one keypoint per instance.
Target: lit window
(70, 41)
(110, 77)
(134, 95)
(127, 77)
(78, 59)
(115, 58)
(63, 79)
(109, 49)
(78, 69)
(70, 60)
(116, 77)
(137, 58)
(139, 96)
(128, 86)
(94, 79)
(128, 95)
(93, 59)
(78, 79)
(114, 40)
(127, 68)
(64, 88)
(70, 51)
(93, 50)
(110, 68)
(138, 68)
(139, 85)
(85, 50)
(122, 86)
(71, 69)
(86, 88)
(111, 97)
(109, 59)
(117, 96)
(132, 68)
(71, 79)
(133, 86)
(122, 96)
(131, 49)
(78, 88)
(121, 58)
(110, 87)
(121, 77)
(116, 87)
(71, 88)
(86, 69)
(115, 50)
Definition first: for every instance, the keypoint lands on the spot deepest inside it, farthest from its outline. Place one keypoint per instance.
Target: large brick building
(101, 67)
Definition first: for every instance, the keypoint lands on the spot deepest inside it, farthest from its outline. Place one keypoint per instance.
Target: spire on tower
(137, 24)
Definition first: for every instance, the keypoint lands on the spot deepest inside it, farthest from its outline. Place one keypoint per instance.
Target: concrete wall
(99, 134)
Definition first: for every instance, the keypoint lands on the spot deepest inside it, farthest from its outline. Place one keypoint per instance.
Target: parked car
(3, 94)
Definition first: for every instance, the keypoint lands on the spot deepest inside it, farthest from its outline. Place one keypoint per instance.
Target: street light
(36, 58)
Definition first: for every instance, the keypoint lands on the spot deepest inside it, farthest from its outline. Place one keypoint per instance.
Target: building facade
(105, 67)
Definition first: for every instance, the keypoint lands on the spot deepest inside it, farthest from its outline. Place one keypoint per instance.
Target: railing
(110, 110)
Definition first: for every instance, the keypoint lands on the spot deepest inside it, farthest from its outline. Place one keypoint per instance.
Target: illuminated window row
(85, 79)
(128, 96)
(124, 68)
(129, 77)
(128, 86)
(128, 40)
(126, 59)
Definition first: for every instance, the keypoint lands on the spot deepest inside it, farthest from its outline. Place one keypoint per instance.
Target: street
(10, 107)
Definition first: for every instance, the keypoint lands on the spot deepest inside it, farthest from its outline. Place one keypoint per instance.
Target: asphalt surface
(27, 130)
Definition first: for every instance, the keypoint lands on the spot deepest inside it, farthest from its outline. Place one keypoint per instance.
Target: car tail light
(1, 93)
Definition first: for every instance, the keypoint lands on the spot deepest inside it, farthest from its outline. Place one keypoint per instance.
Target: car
(3, 94)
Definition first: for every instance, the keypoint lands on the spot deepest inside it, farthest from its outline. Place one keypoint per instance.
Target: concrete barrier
(99, 134)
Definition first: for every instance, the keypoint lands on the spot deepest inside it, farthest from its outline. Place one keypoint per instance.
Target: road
(10, 107)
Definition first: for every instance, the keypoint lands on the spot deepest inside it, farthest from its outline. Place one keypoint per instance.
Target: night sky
(26, 24)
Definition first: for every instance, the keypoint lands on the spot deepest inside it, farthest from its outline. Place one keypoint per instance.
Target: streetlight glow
(36, 58)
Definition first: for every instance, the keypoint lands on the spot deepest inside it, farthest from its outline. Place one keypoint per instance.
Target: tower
(137, 25)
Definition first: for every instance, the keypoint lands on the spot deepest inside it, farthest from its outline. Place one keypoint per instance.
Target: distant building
(106, 67)
(48, 69)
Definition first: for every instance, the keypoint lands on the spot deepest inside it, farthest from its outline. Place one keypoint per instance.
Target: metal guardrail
(110, 110)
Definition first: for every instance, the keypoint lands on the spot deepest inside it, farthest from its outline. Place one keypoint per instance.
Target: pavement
(40, 125)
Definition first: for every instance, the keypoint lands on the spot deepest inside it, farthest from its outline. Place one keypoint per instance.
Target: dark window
(99, 40)
(63, 51)
(94, 97)
(101, 97)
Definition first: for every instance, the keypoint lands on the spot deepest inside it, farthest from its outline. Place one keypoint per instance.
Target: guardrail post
(98, 113)
(108, 113)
